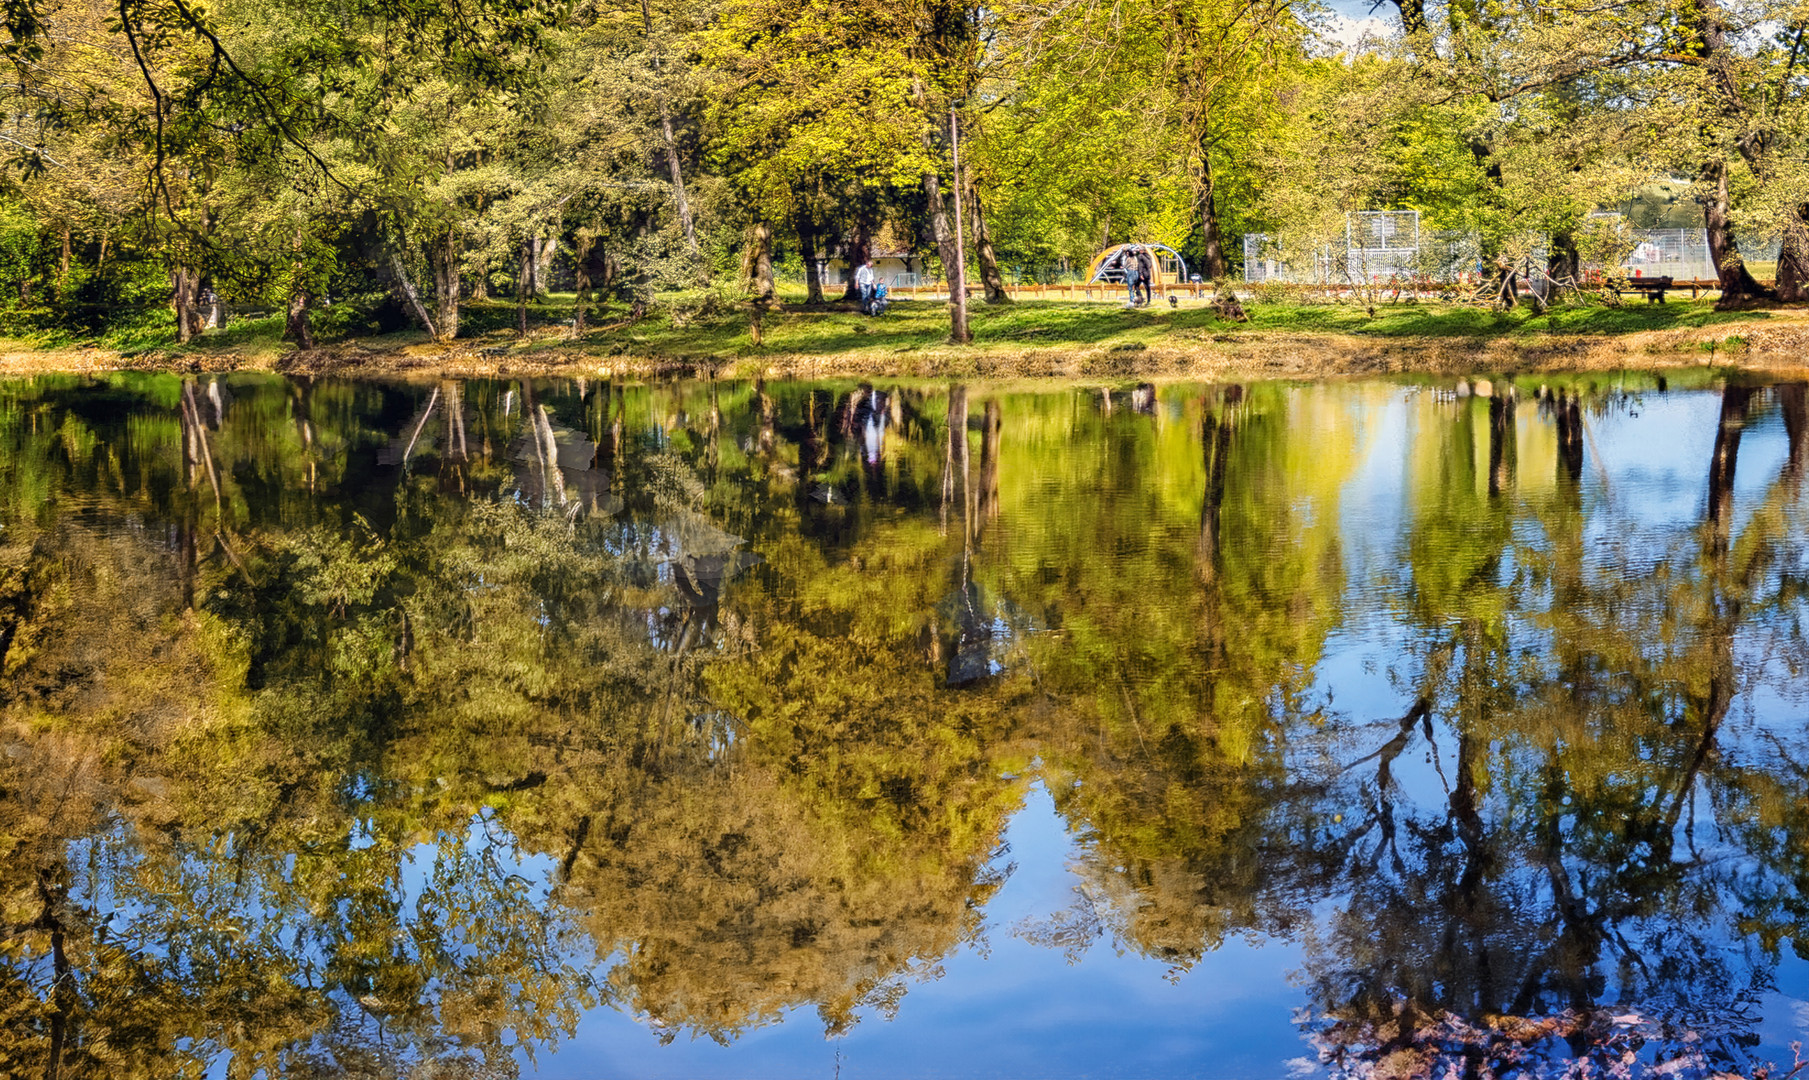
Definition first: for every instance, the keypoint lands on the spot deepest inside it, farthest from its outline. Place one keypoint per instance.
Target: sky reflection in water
(1140, 731)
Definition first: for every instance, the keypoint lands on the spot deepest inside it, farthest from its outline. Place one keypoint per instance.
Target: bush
(133, 330)
(699, 305)
(1273, 292)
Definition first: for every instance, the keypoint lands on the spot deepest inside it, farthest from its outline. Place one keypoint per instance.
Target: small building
(893, 268)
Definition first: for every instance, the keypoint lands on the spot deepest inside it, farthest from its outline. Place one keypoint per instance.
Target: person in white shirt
(863, 278)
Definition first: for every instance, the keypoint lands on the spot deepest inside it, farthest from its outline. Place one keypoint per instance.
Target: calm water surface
(582, 729)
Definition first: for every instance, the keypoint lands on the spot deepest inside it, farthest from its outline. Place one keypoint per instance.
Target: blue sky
(1353, 18)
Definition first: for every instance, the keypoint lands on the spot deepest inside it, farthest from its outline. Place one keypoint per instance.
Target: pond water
(726, 729)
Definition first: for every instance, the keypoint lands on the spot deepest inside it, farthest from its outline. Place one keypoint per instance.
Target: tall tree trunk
(1215, 443)
(757, 276)
(757, 263)
(988, 497)
(301, 392)
(807, 250)
(1212, 262)
(446, 266)
(1793, 402)
(53, 892)
(480, 281)
(1793, 259)
(1502, 449)
(813, 448)
(679, 202)
(180, 301)
(1569, 414)
(185, 287)
(618, 419)
(1503, 283)
(954, 452)
(769, 418)
(990, 277)
(63, 270)
(411, 294)
(859, 247)
(546, 249)
(1564, 263)
(296, 325)
(1738, 288)
(581, 301)
(940, 232)
(524, 285)
(1722, 460)
(959, 333)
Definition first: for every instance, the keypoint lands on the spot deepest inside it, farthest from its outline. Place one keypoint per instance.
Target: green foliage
(21, 241)
(299, 156)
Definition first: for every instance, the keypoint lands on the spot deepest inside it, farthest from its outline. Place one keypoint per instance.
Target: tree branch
(38, 150)
(272, 115)
(157, 181)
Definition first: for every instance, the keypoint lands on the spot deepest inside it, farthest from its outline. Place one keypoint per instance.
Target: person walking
(1146, 270)
(1127, 258)
(864, 281)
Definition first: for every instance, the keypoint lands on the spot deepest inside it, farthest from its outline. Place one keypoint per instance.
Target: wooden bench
(1653, 289)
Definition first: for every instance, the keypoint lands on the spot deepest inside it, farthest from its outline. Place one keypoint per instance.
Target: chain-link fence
(1265, 260)
(1381, 245)
(1378, 245)
(1389, 245)
(1672, 253)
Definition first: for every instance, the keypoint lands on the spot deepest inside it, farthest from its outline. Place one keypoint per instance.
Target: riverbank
(1025, 339)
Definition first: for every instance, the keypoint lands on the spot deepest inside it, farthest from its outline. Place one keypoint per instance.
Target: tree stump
(1226, 306)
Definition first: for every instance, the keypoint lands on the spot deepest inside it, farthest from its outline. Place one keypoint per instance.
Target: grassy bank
(1029, 337)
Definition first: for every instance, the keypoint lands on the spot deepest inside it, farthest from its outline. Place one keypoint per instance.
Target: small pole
(957, 278)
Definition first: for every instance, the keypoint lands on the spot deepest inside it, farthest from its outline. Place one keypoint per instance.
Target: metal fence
(1389, 245)
(1382, 244)
(1265, 260)
(1674, 253)
(1379, 245)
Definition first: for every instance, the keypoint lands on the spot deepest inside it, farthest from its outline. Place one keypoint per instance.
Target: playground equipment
(1171, 269)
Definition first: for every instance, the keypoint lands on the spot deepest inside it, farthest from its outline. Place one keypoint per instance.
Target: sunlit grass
(1043, 324)
(687, 328)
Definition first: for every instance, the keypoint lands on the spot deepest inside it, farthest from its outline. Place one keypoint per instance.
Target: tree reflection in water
(353, 728)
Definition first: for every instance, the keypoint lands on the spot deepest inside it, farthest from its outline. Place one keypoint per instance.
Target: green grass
(1033, 324)
(1449, 320)
(697, 327)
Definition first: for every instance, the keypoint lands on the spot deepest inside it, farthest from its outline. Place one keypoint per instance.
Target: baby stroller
(876, 302)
